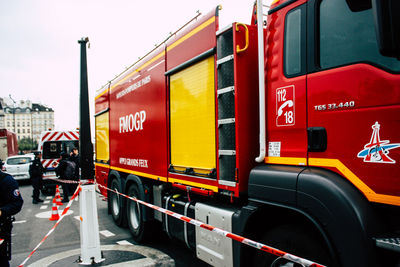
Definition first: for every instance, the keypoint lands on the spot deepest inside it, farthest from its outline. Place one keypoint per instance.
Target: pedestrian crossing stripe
(124, 242)
(107, 233)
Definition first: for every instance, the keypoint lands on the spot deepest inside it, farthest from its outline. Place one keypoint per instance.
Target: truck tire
(293, 239)
(139, 228)
(115, 203)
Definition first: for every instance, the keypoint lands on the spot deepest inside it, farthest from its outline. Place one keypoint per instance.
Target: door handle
(238, 49)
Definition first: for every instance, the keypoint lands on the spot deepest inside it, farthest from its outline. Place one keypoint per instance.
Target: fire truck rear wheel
(136, 222)
(115, 202)
(294, 239)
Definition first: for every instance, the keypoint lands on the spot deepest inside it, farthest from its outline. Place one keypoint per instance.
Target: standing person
(10, 204)
(66, 171)
(36, 174)
(75, 158)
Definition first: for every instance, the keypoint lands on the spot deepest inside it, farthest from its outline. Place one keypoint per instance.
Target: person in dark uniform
(74, 157)
(65, 173)
(10, 204)
(36, 172)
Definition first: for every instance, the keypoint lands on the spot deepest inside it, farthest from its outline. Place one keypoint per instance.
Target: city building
(2, 124)
(25, 118)
(42, 120)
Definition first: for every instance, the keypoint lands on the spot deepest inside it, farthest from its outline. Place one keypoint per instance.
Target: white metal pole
(90, 238)
(261, 81)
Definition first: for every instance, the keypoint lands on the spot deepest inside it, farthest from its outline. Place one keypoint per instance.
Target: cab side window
(347, 37)
(294, 46)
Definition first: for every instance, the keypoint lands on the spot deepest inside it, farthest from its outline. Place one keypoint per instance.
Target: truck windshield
(348, 37)
(53, 149)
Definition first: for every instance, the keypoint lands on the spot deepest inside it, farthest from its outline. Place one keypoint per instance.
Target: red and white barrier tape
(178, 216)
(61, 180)
(221, 232)
(54, 227)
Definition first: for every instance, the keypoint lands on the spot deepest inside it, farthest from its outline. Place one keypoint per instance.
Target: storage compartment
(192, 118)
(102, 138)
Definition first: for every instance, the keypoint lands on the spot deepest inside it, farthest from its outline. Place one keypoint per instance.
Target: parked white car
(18, 166)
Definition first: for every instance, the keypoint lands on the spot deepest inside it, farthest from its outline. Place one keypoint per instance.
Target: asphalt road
(32, 224)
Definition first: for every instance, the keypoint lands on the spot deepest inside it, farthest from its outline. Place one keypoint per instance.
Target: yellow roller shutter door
(102, 137)
(192, 105)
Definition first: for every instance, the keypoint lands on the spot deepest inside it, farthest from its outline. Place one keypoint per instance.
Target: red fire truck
(285, 132)
(8, 144)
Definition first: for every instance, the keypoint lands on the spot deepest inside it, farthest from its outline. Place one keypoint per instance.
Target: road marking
(106, 233)
(49, 197)
(43, 207)
(124, 243)
(46, 202)
(22, 221)
(47, 214)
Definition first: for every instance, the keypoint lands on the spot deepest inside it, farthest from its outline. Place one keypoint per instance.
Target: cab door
(286, 86)
(353, 99)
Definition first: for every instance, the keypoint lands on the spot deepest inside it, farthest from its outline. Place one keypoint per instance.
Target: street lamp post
(85, 140)
(15, 131)
(31, 128)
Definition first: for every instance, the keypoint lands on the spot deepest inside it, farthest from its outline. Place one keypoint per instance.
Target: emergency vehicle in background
(8, 144)
(52, 144)
(286, 133)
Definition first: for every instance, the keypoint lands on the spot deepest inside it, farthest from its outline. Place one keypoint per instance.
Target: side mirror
(387, 26)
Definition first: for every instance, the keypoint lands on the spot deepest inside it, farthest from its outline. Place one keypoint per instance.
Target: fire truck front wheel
(134, 211)
(115, 202)
(294, 239)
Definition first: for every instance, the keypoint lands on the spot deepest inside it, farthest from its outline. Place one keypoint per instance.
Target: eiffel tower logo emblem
(377, 151)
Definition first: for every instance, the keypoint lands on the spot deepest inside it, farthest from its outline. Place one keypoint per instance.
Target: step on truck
(284, 131)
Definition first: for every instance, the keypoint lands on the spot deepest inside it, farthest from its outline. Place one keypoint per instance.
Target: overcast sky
(39, 53)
